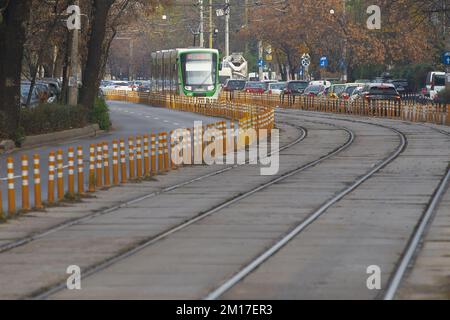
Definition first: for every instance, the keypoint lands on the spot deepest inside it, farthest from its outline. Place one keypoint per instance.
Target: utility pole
(227, 28)
(202, 39)
(130, 66)
(260, 57)
(210, 24)
(344, 53)
(73, 79)
(246, 23)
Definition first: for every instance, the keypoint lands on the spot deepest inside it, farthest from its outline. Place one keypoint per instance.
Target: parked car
(121, 85)
(144, 86)
(24, 91)
(434, 84)
(54, 84)
(277, 88)
(234, 85)
(314, 90)
(379, 92)
(356, 95)
(401, 85)
(336, 90)
(295, 87)
(348, 90)
(324, 83)
(254, 87)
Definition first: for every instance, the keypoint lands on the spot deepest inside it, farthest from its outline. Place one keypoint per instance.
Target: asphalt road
(128, 120)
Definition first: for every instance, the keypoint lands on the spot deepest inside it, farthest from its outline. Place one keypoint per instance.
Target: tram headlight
(188, 88)
(210, 88)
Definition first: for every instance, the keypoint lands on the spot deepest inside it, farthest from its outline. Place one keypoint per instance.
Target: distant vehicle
(356, 94)
(54, 84)
(43, 90)
(314, 90)
(144, 86)
(336, 90)
(348, 90)
(191, 72)
(434, 84)
(24, 91)
(121, 86)
(379, 92)
(324, 83)
(401, 85)
(233, 67)
(255, 87)
(295, 87)
(234, 85)
(277, 88)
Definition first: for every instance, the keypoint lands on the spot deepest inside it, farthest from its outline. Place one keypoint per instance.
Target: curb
(42, 139)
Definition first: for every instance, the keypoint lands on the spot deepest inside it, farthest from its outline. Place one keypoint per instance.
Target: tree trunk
(12, 39)
(93, 65)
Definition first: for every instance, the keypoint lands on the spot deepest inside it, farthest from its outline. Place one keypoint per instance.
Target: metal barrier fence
(138, 157)
(409, 110)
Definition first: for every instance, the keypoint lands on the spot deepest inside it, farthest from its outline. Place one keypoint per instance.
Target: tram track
(47, 292)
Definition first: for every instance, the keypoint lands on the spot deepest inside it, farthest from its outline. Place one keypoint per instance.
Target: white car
(276, 88)
(356, 94)
(324, 83)
(435, 83)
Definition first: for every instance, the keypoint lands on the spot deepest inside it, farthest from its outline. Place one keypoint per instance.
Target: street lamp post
(227, 28)
(202, 38)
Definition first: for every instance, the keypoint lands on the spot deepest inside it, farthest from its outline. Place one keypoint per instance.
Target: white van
(435, 83)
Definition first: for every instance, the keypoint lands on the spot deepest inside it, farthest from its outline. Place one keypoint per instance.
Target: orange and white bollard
(80, 169)
(25, 184)
(131, 158)
(123, 161)
(115, 162)
(138, 157)
(99, 173)
(161, 152)
(71, 171)
(51, 178)
(91, 187)
(37, 182)
(11, 188)
(146, 157)
(107, 175)
(153, 153)
(60, 174)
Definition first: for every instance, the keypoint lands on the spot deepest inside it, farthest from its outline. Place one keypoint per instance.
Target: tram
(192, 72)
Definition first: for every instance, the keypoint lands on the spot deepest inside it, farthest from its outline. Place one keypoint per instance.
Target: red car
(255, 87)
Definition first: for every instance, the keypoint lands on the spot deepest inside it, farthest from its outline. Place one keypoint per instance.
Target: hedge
(47, 118)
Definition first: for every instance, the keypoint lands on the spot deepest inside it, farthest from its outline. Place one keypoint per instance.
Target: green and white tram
(186, 72)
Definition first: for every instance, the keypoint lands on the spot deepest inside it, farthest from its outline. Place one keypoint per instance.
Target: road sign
(446, 58)
(306, 62)
(261, 63)
(324, 62)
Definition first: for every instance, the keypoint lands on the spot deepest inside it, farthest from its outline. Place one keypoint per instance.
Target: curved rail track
(266, 254)
(86, 273)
